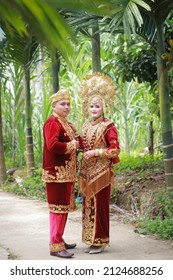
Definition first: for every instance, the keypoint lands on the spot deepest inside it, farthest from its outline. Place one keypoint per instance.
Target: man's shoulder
(52, 119)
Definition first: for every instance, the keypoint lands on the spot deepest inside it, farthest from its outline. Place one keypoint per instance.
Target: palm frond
(128, 13)
(160, 9)
(148, 30)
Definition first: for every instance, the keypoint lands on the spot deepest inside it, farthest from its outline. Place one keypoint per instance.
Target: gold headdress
(61, 94)
(97, 85)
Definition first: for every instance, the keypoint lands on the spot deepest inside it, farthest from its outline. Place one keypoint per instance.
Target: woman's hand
(89, 154)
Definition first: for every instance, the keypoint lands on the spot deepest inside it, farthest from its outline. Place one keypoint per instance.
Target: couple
(100, 146)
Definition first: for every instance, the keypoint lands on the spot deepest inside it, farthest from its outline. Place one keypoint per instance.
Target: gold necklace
(98, 120)
(90, 133)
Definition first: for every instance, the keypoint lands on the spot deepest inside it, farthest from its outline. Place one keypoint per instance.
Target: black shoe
(70, 246)
(62, 254)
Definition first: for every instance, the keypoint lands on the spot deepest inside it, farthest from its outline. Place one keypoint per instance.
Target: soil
(138, 194)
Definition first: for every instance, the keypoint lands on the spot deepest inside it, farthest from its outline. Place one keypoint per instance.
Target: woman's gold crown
(97, 85)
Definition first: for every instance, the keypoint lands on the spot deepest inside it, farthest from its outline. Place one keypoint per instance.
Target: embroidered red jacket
(59, 153)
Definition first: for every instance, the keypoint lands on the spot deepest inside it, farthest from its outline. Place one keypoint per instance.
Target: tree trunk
(3, 174)
(96, 61)
(126, 126)
(151, 139)
(55, 71)
(165, 115)
(29, 137)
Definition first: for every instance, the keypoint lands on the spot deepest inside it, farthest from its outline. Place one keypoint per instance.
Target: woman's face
(96, 108)
(62, 107)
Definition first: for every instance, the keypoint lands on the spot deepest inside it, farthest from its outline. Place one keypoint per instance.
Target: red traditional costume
(97, 174)
(59, 173)
(95, 179)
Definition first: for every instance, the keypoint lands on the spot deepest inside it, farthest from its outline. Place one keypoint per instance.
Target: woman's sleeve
(113, 148)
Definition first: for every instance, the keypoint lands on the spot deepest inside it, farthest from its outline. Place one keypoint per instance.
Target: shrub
(162, 225)
(32, 186)
(138, 163)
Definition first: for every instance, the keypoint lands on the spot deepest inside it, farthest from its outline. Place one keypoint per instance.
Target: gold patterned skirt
(95, 218)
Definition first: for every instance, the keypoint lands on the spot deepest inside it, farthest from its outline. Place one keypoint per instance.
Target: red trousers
(61, 201)
(57, 226)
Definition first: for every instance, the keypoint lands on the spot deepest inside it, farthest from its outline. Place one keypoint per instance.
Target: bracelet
(76, 136)
(99, 152)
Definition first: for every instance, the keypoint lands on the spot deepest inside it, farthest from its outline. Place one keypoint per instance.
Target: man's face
(62, 107)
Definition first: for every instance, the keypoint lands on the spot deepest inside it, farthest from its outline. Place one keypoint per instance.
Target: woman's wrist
(76, 135)
(99, 152)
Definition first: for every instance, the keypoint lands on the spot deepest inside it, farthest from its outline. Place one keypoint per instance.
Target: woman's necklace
(90, 133)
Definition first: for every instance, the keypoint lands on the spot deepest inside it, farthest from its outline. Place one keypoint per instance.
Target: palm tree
(3, 174)
(23, 51)
(147, 19)
(46, 23)
(96, 60)
(50, 29)
(55, 63)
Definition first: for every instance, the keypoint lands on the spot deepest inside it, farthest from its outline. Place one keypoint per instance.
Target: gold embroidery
(89, 225)
(47, 177)
(88, 219)
(67, 173)
(67, 127)
(64, 208)
(95, 173)
(57, 247)
(71, 147)
(61, 208)
(94, 168)
(101, 132)
(63, 174)
(101, 241)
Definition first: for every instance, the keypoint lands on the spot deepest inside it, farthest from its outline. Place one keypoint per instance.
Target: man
(59, 171)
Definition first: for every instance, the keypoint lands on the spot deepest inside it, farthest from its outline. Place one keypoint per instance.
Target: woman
(101, 148)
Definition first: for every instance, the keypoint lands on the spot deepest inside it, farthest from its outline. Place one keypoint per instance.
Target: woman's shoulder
(108, 122)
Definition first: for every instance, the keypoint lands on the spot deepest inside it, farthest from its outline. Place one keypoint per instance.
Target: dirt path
(24, 235)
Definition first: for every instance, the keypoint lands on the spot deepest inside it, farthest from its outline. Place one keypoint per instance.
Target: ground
(24, 234)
